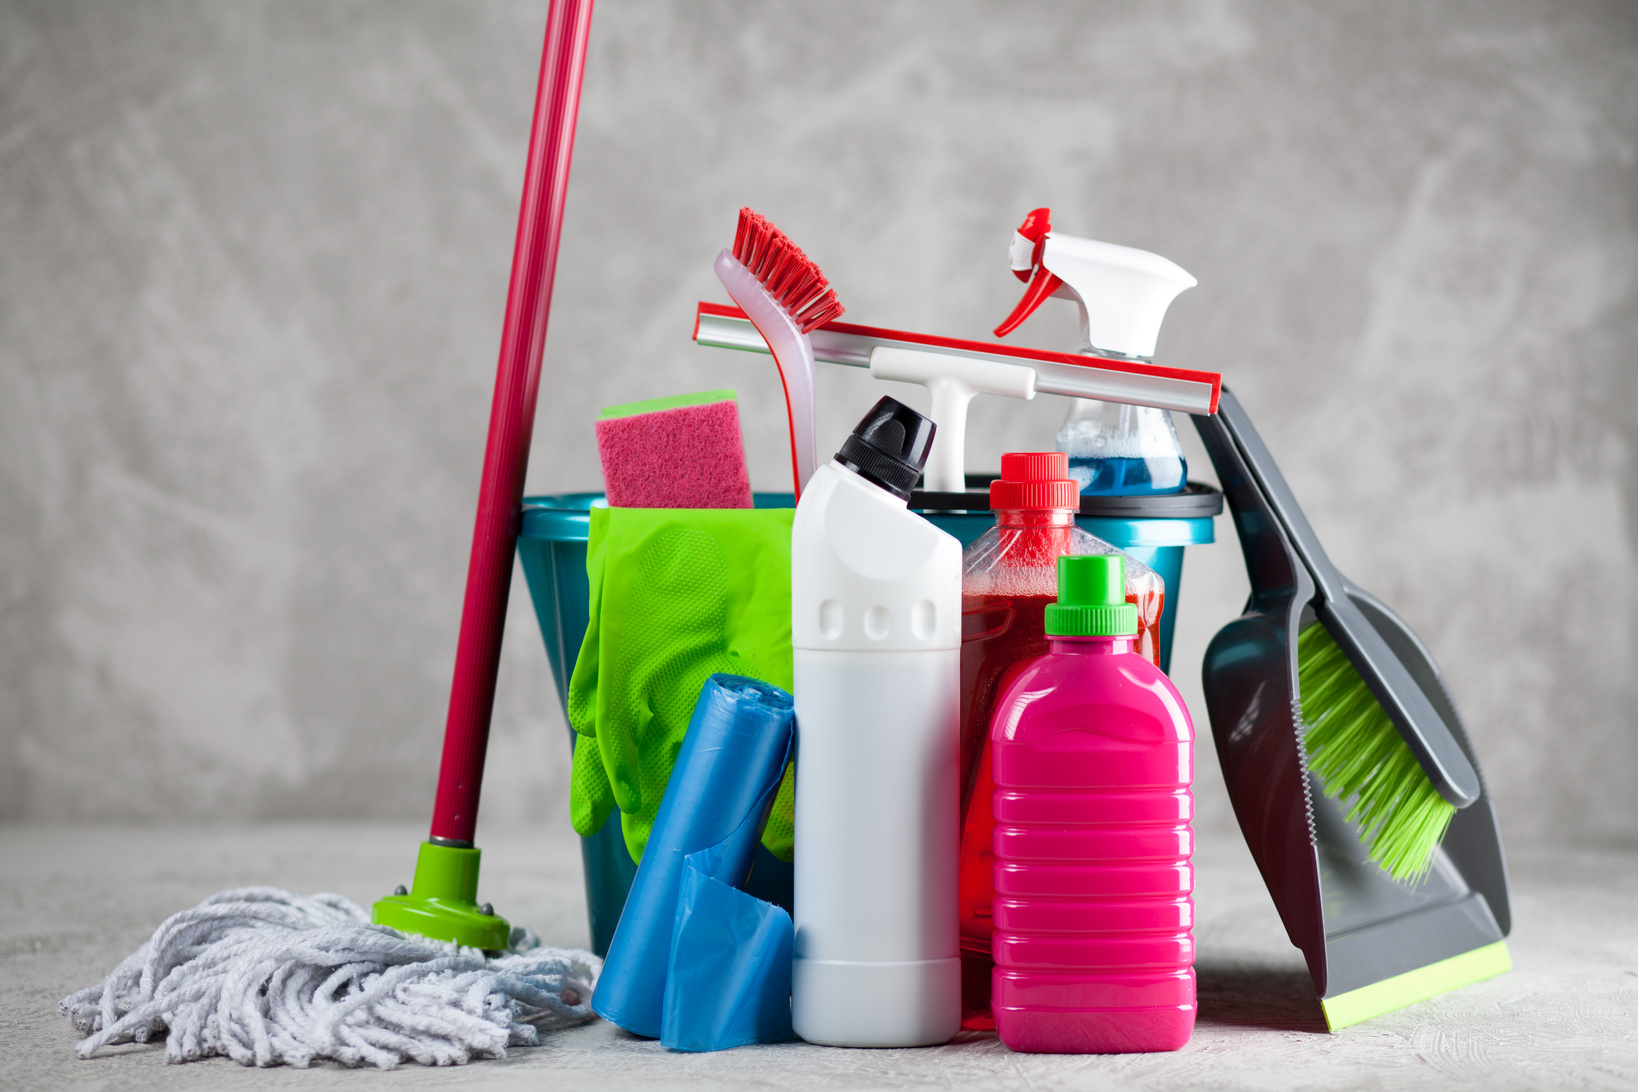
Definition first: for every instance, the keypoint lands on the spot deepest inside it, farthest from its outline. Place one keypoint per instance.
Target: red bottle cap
(1035, 479)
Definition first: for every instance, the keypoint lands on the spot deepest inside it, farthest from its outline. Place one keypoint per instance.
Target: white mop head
(269, 978)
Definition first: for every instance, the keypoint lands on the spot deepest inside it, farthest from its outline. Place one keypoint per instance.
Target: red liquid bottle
(1009, 575)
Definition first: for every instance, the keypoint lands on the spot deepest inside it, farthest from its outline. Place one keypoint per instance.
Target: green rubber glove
(677, 595)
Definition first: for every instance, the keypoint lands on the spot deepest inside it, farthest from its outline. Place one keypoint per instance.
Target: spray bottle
(1122, 294)
(876, 635)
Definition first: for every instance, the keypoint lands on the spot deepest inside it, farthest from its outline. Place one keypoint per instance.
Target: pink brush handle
(511, 420)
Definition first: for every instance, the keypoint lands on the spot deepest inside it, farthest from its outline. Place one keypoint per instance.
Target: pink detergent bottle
(1092, 755)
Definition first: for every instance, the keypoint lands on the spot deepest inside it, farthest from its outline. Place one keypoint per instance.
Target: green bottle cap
(1092, 599)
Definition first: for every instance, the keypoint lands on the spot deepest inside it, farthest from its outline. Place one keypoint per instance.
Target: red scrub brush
(785, 296)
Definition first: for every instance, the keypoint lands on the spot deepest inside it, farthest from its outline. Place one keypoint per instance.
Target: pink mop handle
(511, 420)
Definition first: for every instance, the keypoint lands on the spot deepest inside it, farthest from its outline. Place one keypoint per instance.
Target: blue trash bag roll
(729, 982)
(722, 785)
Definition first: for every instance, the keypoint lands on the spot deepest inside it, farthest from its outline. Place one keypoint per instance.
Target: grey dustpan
(1372, 944)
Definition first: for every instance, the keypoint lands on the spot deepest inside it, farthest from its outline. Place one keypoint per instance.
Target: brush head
(789, 275)
(1357, 753)
(681, 452)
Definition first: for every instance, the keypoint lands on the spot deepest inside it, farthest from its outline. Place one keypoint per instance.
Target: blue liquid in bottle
(1120, 450)
(1128, 476)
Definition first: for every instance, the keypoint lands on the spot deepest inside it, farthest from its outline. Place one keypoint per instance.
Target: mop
(267, 977)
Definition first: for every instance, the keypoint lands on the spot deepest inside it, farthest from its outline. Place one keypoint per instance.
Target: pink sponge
(680, 452)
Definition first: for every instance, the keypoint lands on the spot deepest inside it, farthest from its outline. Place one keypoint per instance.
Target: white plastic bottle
(876, 629)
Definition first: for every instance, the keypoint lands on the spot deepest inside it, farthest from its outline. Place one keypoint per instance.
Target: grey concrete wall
(253, 260)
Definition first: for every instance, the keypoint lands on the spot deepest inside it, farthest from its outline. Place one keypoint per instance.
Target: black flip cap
(889, 447)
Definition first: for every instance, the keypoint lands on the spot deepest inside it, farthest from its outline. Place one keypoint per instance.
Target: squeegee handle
(511, 420)
(1420, 725)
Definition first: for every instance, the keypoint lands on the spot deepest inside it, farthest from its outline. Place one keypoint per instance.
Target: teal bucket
(552, 548)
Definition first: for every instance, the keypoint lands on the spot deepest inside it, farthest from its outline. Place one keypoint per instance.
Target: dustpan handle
(511, 421)
(1272, 567)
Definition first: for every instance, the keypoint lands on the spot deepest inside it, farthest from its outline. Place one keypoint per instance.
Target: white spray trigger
(1122, 292)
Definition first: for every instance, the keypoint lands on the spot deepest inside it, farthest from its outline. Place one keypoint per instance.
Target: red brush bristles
(789, 275)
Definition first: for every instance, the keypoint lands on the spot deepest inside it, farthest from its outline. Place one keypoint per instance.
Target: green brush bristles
(1357, 752)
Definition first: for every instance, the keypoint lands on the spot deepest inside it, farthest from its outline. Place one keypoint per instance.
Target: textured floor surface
(74, 900)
